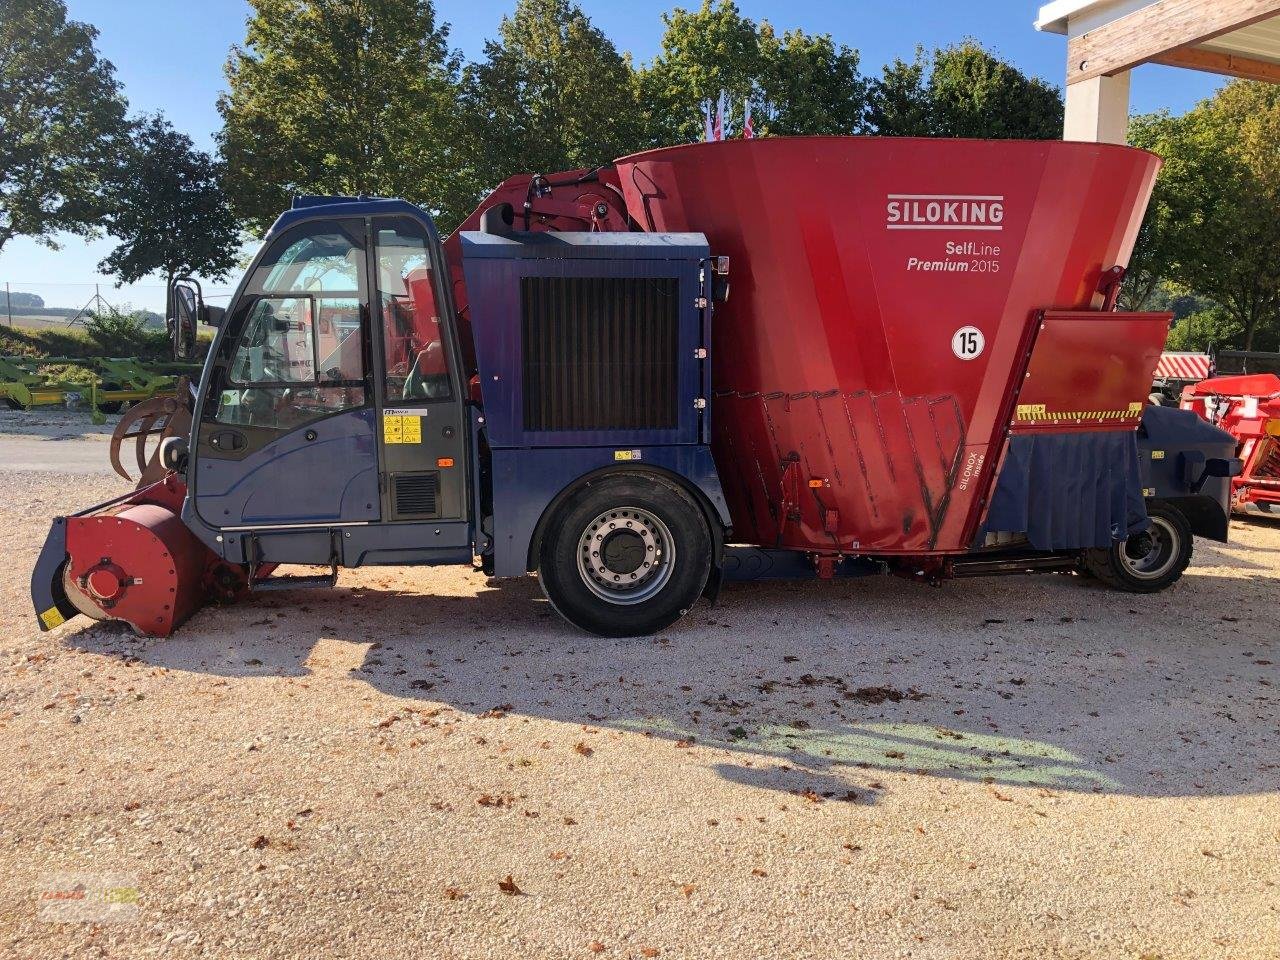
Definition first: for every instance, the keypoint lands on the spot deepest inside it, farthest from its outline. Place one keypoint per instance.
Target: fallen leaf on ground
(508, 886)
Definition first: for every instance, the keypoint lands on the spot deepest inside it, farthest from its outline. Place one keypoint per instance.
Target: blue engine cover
(590, 351)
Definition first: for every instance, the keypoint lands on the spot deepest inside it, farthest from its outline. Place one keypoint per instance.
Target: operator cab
(332, 398)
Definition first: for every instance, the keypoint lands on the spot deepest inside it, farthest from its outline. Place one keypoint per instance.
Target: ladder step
(294, 583)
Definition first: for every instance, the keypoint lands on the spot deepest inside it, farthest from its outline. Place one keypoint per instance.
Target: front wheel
(626, 556)
(1147, 562)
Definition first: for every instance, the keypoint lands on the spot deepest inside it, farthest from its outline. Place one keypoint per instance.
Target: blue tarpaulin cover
(1068, 491)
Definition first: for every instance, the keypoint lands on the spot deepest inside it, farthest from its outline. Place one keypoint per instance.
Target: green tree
(898, 102)
(168, 209)
(1198, 196)
(1213, 227)
(1240, 273)
(552, 93)
(808, 85)
(975, 94)
(704, 51)
(62, 118)
(964, 91)
(343, 97)
(797, 83)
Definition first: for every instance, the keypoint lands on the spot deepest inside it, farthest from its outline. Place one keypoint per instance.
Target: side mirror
(185, 306)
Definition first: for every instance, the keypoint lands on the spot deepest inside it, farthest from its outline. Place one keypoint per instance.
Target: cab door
(421, 425)
(287, 434)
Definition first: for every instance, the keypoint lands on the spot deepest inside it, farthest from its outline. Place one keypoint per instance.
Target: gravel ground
(426, 764)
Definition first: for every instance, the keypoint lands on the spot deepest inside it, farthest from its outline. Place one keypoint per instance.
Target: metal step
(294, 583)
(261, 584)
(1031, 564)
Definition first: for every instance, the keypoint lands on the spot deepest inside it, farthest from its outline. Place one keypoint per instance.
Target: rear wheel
(1147, 562)
(626, 556)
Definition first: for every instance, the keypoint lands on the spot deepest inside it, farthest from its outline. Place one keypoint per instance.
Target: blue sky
(173, 62)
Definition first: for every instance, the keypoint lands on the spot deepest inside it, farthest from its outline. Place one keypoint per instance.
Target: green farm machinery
(113, 382)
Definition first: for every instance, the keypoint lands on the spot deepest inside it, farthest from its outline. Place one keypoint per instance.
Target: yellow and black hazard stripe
(1040, 413)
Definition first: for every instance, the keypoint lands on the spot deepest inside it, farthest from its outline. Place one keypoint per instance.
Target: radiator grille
(600, 353)
(414, 494)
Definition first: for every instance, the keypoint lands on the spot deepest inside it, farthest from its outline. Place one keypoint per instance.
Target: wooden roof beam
(1228, 64)
(1157, 30)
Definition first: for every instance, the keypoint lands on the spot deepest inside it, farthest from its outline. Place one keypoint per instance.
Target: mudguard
(52, 606)
(1188, 463)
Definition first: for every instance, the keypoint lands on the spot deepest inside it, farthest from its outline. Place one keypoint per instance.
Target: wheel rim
(626, 555)
(1151, 555)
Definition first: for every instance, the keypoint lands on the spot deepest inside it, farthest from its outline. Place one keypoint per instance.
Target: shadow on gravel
(1033, 682)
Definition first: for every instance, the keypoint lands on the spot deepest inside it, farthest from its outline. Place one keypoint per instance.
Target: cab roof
(309, 206)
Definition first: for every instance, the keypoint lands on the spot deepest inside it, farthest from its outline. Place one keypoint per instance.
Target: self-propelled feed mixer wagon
(920, 370)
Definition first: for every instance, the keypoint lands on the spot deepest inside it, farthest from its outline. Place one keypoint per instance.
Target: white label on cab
(967, 343)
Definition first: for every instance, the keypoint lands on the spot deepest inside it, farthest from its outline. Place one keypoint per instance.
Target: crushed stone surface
(424, 763)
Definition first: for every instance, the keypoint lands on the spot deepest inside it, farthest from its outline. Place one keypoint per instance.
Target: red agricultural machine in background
(1247, 407)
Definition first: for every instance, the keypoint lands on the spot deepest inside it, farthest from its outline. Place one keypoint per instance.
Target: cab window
(325, 257)
(300, 352)
(415, 348)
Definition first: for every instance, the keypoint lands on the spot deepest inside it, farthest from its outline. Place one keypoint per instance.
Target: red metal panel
(855, 262)
(1089, 371)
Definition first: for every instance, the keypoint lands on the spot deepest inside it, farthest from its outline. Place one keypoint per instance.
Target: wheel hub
(625, 555)
(1150, 554)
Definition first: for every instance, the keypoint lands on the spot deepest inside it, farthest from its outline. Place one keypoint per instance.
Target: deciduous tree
(62, 120)
(168, 210)
(343, 97)
(1197, 197)
(1213, 227)
(963, 91)
(798, 83)
(552, 93)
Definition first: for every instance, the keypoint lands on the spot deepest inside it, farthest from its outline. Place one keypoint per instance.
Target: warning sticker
(400, 427)
(52, 618)
(1039, 413)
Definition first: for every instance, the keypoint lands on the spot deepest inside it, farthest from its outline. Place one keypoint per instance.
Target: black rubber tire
(1109, 566)
(565, 587)
(1265, 507)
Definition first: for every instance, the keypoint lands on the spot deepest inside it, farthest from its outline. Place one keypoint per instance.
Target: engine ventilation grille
(600, 353)
(414, 494)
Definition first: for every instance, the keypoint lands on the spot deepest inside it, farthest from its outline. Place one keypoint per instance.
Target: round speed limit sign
(967, 343)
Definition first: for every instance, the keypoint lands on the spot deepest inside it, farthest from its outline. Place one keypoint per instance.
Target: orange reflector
(445, 462)
(817, 483)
